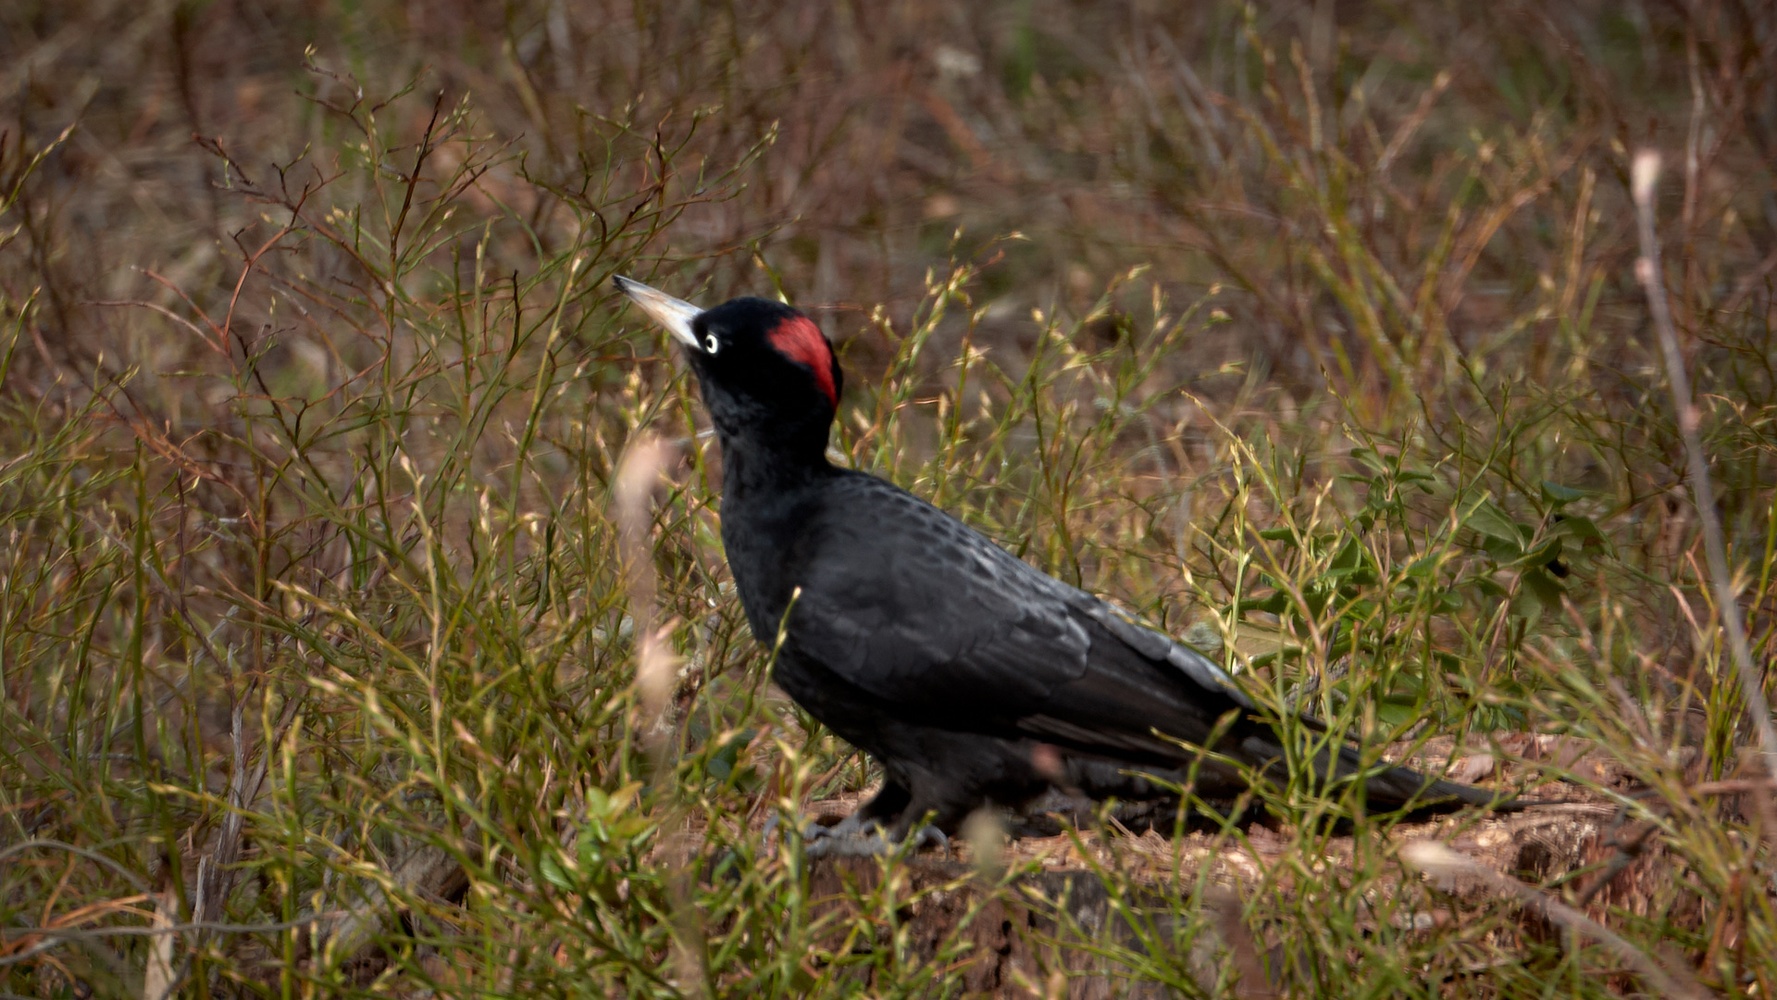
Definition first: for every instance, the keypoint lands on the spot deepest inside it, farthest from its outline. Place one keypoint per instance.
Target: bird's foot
(814, 830)
(855, 838)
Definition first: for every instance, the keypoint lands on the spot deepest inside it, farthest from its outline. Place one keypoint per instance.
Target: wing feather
(954, 630)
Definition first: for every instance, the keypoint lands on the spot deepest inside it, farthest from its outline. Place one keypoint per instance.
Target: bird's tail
(1390, 787)
(1401, 787)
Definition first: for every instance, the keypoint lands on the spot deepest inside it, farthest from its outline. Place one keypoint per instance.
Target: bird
(974, 679)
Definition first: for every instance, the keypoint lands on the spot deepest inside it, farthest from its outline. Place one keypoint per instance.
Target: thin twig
(1644, 173)
(91, 855)
(1443, 862)
(52, 936)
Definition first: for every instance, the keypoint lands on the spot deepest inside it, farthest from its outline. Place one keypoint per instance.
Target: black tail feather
(1402, 787)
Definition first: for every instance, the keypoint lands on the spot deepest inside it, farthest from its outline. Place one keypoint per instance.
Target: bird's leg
(850, 826)
(929, 834)
(875, 828)
(853, 837)
(888, 801)
(861, 833)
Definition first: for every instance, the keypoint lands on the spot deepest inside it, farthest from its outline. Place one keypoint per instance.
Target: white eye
(710, 344)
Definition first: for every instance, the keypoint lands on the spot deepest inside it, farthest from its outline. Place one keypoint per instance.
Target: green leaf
(1557, 495)
(1502, 551)
(1370, 459)
(1275, 604)
(553, 872)
(1491, 520)
(1489, 587)
(1543, 586)
(1350, 556)
(1549, 549)
(1400, 707)
(1582, 529)
(1423, 568)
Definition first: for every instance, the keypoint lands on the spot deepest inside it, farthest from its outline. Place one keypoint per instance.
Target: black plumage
(971, 677)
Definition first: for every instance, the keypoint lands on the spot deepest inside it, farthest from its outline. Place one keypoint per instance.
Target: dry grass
(1311, 331)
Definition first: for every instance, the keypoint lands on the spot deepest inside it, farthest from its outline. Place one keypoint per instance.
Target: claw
(812, 831)
(931, 836)
(870, 845)
(851, 826)
(855, 838)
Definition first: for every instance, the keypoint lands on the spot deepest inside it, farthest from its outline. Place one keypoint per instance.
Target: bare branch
(1644, 176)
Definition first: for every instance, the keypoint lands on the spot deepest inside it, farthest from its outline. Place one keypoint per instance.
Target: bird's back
(928, 618)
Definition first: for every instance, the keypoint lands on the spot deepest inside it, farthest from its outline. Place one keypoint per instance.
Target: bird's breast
(760, 550)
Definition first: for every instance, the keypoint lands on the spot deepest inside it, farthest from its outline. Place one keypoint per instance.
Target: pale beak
(674, 314)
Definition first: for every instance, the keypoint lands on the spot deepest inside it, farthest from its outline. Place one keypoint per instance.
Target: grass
(335, 542)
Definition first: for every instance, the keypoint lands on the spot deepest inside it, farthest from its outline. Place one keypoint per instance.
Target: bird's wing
(953, 630)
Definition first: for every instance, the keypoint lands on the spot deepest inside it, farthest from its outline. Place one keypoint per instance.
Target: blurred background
(1295, 154)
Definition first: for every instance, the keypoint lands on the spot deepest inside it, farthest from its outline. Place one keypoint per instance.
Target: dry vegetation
(1308, 330)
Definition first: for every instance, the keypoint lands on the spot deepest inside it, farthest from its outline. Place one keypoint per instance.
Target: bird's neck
(767, 497)
(751, 465)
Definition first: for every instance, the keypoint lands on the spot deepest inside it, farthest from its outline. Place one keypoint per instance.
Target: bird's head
(767, 373)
